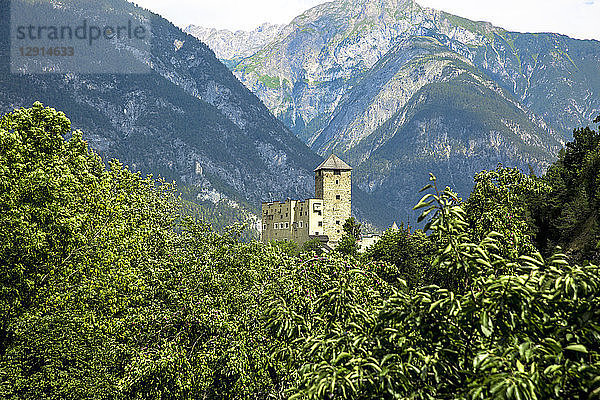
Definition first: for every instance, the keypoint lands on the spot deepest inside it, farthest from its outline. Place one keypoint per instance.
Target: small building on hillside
(322, 217)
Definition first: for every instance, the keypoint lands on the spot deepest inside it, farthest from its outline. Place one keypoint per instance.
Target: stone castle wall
(292, 220)
(322, 217)
(335, 188)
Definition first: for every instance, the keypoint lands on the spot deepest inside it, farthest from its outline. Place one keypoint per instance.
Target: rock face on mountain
(233, 46)
(189, 119)
(401, 90)
(305, 73)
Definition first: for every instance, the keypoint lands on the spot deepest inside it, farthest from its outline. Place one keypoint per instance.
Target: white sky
(576, 18)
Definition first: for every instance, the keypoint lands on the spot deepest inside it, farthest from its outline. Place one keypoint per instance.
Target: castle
(322, 217)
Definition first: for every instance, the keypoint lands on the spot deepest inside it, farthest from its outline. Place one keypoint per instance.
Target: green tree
(410, 254)
(48, 188)
(352, 228)
(75, 238)
(501, 202)
(567, 215)
(313, 246)
(288, 247)
(347, 244)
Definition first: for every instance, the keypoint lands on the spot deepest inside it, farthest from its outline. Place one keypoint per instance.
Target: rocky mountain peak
(375, 7)
(229, 45)
(357, 10)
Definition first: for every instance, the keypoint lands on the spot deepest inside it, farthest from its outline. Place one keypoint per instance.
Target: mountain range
(188, 119)
(395, 89)
(401, 90)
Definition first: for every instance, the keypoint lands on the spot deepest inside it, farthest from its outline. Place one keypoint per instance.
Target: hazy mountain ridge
(397, 78)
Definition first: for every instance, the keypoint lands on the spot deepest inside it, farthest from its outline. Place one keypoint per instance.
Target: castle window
(300, 224)
(337, 197)
(286, 214)
(281, 216)
(320, 223)
(287, 225)
(337, 222)
(337, 181)
(338, 231)
(336, 172)
(317, 233)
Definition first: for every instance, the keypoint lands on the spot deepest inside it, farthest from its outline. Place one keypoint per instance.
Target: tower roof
(334, 162)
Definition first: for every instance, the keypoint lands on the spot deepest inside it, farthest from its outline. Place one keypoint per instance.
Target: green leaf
(486, 325)
(424, 202)
(435, 304)
(424, 215)
(577, 347)
(520, 367)
(428, 186)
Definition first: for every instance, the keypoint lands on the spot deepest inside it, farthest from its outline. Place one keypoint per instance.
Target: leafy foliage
(531, 333)
(500, 202)
(313, 246)
(106, 291)
(74, 237)
(567, 215)
(408, 254)
(347, 244)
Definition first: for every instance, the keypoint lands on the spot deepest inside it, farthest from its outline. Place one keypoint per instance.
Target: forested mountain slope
(188, 119)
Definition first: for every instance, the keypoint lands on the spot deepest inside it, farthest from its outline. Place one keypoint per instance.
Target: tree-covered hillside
(108, 292)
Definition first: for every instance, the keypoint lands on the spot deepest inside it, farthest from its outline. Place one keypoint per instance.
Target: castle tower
(333, 186)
